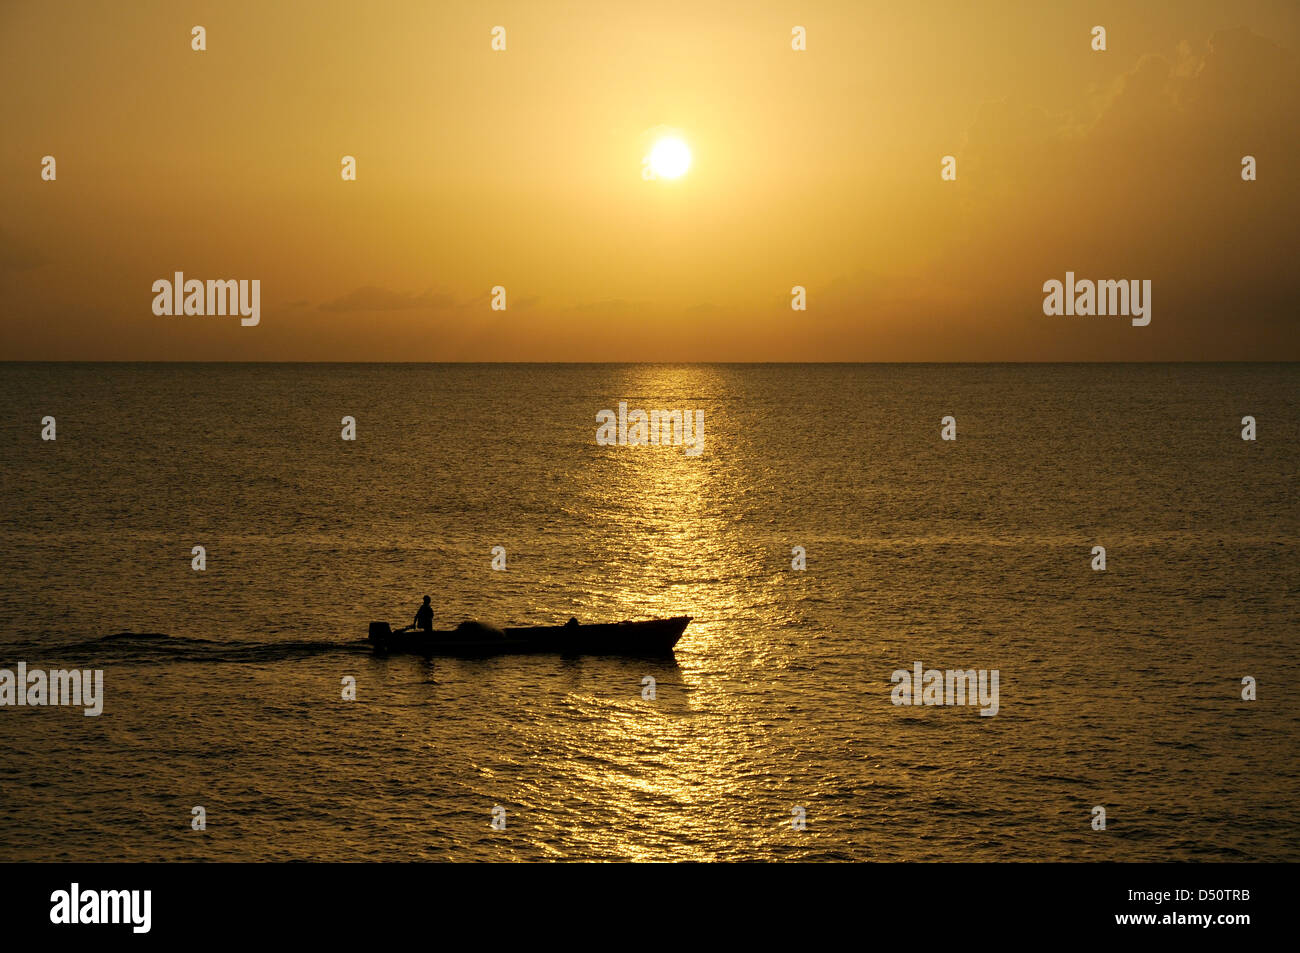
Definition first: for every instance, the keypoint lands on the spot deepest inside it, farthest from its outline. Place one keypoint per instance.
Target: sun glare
(670, 158)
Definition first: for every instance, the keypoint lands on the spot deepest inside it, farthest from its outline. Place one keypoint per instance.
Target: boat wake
(158, 647)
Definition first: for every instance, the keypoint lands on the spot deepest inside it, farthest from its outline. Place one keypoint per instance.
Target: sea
(825, 537)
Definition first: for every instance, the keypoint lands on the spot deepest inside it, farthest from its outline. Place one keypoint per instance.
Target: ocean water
(1119, 689)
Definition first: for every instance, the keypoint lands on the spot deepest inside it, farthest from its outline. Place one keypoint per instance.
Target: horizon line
(637, 363)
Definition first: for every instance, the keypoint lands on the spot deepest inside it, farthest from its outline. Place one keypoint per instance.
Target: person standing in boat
(424, 616)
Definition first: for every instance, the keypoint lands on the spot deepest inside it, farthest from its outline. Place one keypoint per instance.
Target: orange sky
(523, 169)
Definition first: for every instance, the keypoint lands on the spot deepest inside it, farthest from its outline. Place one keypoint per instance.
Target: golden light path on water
(675, 764)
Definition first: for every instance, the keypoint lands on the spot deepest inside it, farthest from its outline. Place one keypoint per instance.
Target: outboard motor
(380, 632)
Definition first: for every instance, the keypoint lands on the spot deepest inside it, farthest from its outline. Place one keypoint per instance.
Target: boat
(649, 637)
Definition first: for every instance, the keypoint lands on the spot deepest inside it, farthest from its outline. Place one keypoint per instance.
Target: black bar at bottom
(945, 903)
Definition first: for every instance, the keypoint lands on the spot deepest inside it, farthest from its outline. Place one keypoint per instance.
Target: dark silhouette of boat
(651, 637)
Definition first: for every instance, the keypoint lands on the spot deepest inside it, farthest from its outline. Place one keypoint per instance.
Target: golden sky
(522, 169)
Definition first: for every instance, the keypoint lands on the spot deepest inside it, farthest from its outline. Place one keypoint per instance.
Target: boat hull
(651, 637)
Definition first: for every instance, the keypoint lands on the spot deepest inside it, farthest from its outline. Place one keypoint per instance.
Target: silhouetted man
(424, 616)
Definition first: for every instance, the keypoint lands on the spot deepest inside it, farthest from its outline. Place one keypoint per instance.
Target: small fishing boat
(651, 637)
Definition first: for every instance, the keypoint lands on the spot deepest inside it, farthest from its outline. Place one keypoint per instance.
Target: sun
(670, 158)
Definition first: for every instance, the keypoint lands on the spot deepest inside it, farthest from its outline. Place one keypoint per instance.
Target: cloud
(1239, 81)
(607, 306)
(374, 298)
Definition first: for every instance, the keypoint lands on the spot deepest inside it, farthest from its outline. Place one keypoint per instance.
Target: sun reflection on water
(675, 548)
